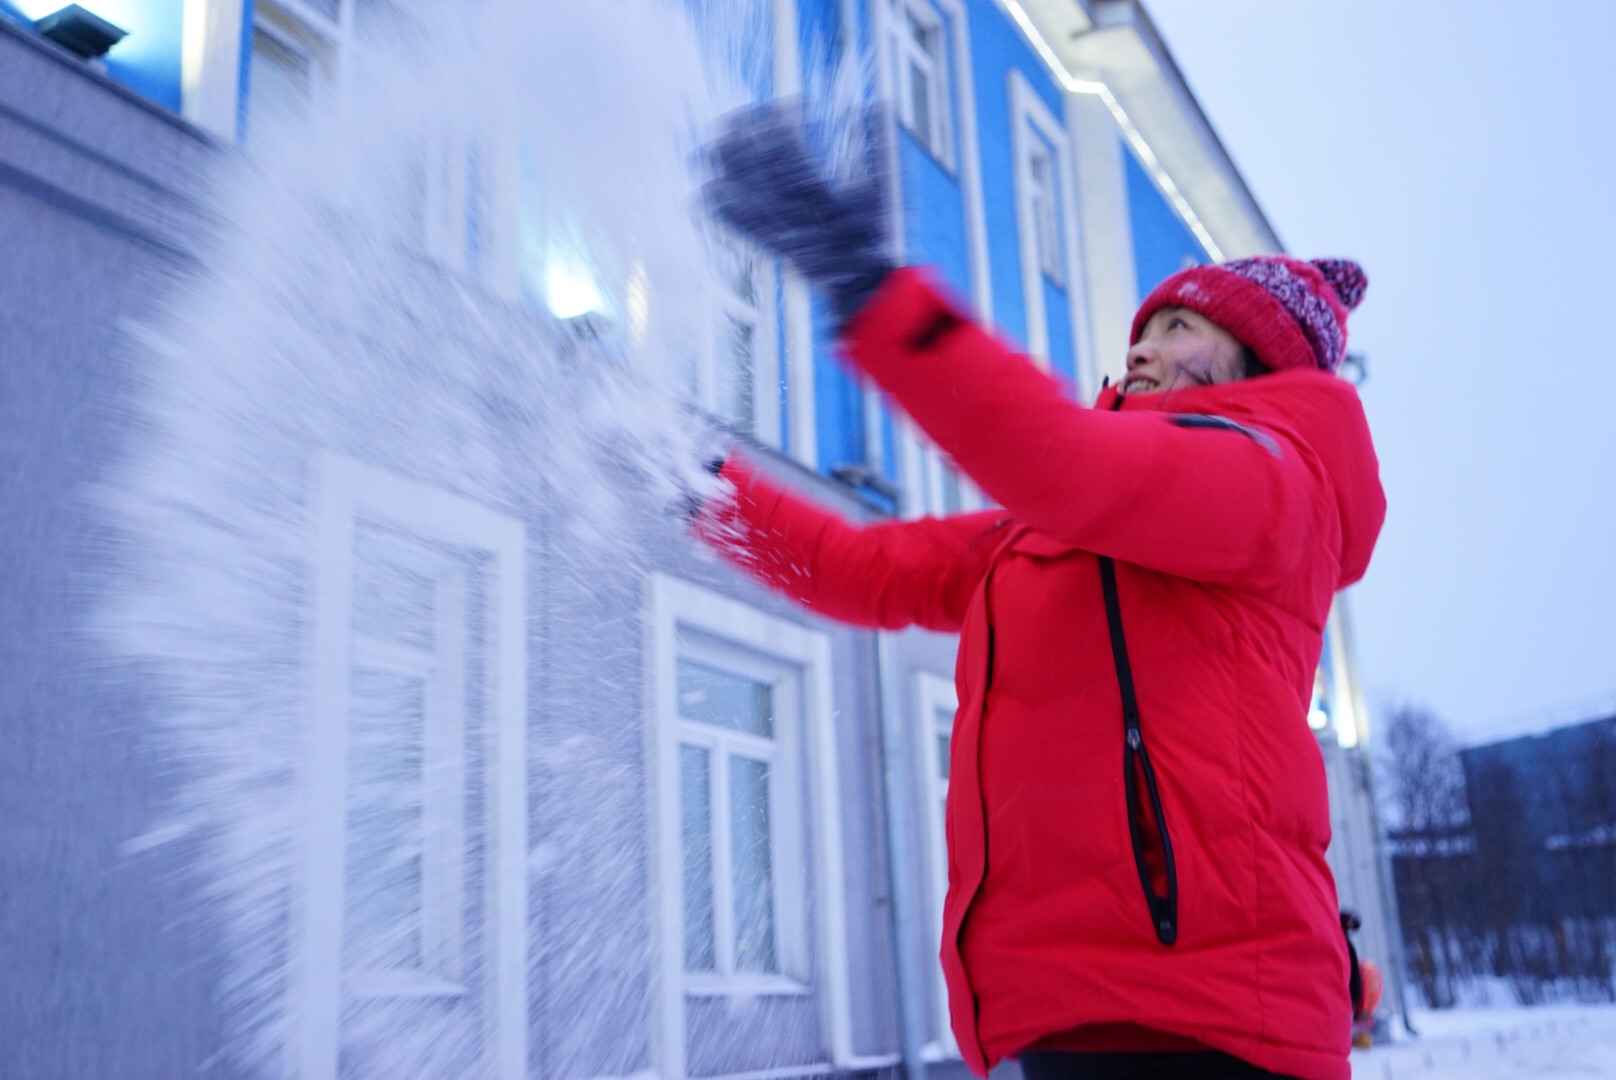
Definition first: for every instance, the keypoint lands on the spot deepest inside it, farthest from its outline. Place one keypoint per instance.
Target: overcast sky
(1465, 152)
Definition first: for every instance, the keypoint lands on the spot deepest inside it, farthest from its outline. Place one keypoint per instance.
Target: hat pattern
(1301, 302)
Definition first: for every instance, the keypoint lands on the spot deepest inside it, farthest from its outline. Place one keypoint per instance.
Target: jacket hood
(1315, 410)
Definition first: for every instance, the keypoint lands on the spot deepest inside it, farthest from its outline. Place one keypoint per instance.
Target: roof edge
(1111, 54)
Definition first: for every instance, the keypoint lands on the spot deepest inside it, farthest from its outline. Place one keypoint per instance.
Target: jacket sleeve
(888, 575)
(1205, 503)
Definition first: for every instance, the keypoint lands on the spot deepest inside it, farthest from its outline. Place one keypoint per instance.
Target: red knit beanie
(1292, 314)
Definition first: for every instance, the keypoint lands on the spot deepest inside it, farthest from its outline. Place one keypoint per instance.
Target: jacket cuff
(910, 312)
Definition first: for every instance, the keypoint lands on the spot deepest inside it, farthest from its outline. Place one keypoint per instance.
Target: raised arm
(889, 575)
(1214, 502)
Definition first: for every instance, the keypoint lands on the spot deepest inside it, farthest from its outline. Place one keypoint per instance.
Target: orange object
(1373, 985)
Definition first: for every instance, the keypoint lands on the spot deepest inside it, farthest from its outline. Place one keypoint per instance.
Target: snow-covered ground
(1499, 1044)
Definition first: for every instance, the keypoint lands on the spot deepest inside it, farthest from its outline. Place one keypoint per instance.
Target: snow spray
(402, 313)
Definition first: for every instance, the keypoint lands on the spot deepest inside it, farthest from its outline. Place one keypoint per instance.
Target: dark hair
(1250, 366)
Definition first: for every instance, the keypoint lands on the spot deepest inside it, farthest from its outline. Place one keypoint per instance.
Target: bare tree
(1428, 818)
(1504, 857)
(1424, 780)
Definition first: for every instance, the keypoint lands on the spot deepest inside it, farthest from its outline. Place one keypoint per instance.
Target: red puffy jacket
(1177, 891)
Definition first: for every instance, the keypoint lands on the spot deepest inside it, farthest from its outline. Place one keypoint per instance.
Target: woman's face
(1178, 349)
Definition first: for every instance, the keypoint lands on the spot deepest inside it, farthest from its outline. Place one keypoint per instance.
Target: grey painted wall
(107, 954)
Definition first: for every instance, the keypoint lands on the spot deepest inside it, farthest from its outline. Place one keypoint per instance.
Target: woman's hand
(768, 188)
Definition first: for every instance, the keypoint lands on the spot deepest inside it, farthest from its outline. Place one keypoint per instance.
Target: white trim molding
(1031, 124)
(932, 58)
(1106, 236)
(451, 533)
(684, 621)
(210, 65)
(935, 697)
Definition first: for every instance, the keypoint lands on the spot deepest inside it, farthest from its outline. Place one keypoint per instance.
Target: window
(1043, 206)
(735, 374)
(921, 75)
(745, 814)
(282, 73)
(416, 772)
(741, 819)
(292, 61)
(936, 704)
(741, 339)
(405, 870)
(1044, 227)
(727, 755)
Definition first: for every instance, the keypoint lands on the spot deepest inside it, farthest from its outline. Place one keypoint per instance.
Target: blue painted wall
(934, 222)
(838, 403)
(1062, 344)
(996, 48)
(1162, 244)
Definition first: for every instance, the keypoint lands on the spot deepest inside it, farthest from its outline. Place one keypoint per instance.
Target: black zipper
(1159, 882)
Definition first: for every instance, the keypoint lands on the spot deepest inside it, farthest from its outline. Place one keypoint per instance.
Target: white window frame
(685, 620)
(760, 313)
(932, 57)
(346, 491)
(299, 28)
(1034, 130)
(935, 696)
(441, 671)
(782, 754)
(1043, 193)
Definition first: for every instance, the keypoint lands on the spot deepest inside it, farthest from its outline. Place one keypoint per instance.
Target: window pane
(1042, 179)
(920, 91)
(281, 78)
(737, 374)
(919, 31)
(394, 589)
(722, 698)
(382, 928)
(696, 833)
(754, 877)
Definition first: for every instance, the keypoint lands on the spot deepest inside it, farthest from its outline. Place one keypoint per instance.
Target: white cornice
(1117, 56)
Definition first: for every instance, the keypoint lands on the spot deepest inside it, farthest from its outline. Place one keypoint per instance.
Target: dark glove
(768, 188)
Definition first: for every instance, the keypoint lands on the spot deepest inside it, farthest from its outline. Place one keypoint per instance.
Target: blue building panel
(1162, 244)
(1062, 343)
(838, 400)
(934, 215)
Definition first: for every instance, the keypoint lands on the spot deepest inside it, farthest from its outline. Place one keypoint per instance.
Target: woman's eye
(1176, 323)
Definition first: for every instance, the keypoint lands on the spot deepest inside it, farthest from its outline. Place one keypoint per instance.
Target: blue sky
(1465, 153)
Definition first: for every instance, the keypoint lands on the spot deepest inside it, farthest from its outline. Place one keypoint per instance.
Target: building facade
(743, 880)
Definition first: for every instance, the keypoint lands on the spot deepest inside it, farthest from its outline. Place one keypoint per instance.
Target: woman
(1137, 813)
